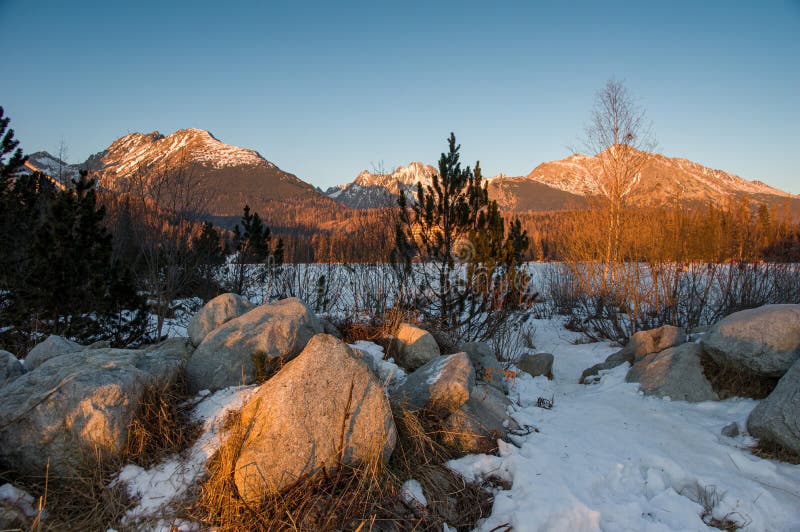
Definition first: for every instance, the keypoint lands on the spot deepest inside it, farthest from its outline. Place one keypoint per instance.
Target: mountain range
(235, 176)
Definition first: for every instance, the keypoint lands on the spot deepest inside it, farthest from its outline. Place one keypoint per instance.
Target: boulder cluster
(759, 343)
(319, 403)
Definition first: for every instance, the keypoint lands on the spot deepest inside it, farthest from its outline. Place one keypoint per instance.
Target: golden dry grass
(90, 500)
(773, 451)
(366, 497)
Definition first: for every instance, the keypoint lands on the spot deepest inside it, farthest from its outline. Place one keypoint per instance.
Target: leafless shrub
(512, 341)
(649, 294)
(709, 498)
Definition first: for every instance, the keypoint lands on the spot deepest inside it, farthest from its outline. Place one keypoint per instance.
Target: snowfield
(607, 458)
(604, 458)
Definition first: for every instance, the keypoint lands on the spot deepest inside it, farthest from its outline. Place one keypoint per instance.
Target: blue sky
(327, 89)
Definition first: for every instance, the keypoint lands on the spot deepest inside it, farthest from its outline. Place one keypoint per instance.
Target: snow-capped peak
(185, 145)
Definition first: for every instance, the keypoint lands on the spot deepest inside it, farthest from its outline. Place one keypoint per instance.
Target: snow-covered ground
(605, 457)
(156, 489)
(608, 458)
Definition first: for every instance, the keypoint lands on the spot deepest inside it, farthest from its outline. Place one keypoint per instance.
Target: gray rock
(731, 430)
(216, 312)
(53, 346)
(246, 349)
(10, 367)
(415, 346)
(74, 409)
(441, 386)
(777, 418)
(476, 426)
(536, 365)
(675, 373)
(764, 340)
(100, 344)
(640, 345)
(323, 408)
(488, 368)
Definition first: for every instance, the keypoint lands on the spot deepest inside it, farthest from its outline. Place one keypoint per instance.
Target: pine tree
(71, 285)
(8, 147)
(254, 256)
(209, 255)
(472, 277)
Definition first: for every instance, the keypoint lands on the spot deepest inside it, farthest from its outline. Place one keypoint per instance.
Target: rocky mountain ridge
(235, 176)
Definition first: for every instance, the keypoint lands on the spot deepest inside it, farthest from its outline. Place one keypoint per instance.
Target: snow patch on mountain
(59, 171)
(137, 150)
(660, 176)
(372, 190)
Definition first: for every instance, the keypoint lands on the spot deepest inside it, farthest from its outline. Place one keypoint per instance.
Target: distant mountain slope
(568, 183)
(236, 176)
(520, 194)
(370, 190)
(60, 171)
(232, 176)
(661, 179)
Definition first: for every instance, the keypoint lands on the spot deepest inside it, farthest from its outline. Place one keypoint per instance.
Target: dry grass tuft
(350, 498)
(88, 500)
(162, 426)
(773, 451)
(85, 501)
(708, 498)
(730, 382)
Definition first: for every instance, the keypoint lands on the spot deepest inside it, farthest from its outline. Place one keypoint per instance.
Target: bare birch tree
(620, 135)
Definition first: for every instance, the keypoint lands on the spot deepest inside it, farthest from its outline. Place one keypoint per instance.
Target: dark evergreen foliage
(472, 279)
(210, 252)
(255, 257)
(71, 286)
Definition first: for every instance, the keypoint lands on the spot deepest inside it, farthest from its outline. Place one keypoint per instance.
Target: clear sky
(328, 89)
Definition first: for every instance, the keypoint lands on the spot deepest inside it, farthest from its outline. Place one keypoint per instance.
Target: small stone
(731, 430)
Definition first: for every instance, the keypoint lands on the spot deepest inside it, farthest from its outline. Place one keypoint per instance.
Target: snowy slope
(661, 179)
(564, 184)
(371, 190)
(60, 171)
(231, 176)
(607, 458)
(131, 152)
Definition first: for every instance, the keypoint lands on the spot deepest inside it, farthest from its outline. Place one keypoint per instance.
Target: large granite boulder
(216, 312)
(764, 340)
(322, 409)
(440, 387)
(247, 349)
(640, 345)
(52, 346)
(777, 418)
(415, 347)
(74, 409)
(477, 425)
(676, 373)
(10, 367)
